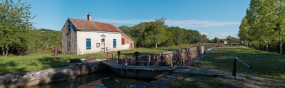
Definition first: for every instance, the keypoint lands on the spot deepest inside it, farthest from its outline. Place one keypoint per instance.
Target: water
(108, 79)
(210, 48)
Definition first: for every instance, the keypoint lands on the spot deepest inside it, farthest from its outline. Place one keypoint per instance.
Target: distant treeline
(156, 33)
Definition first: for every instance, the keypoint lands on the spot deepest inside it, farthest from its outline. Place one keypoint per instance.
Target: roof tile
(94, 25)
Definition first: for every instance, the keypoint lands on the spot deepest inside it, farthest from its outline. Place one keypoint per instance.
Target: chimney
(89, 16)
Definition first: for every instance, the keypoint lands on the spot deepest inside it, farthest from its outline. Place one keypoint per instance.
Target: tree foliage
(14, 25)
(260, 24)
(145, 33)
(155, 33)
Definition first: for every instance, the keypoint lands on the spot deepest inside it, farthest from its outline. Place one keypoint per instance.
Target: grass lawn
(264, 64)
(13, 64)
(200, 81)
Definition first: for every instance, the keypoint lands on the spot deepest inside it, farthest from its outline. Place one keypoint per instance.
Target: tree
(279, 16)
(155, 33)
(203, 38)
(216, 40)
(178, 35)
(14, 25)
(231, 39)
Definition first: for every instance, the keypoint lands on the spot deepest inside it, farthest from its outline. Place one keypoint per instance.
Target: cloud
(198, 23)
(179, 23)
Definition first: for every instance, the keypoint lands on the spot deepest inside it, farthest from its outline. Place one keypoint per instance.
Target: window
(123, 41)
(69, 27)
(114, 43)
(88, 43)
(102, 40)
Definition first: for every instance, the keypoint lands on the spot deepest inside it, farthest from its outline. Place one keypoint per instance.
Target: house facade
(87, 36)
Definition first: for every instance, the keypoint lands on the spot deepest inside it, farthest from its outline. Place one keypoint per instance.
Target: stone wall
(170, 58)
(8, 80)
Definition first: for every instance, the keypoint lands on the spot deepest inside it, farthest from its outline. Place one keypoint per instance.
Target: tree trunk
(6, 52)
(280, 40)
(266, 47)
(250, 44)
(155, 45)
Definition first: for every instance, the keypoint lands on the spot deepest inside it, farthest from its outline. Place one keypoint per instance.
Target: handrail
(243, 63)
(235, 66)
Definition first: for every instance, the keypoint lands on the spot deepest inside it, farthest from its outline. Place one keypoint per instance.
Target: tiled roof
(94, 25)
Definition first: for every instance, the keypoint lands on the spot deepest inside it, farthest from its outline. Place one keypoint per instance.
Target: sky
(215, 18)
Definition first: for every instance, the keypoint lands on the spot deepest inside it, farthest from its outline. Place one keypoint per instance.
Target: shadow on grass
(200, 81)
(9, 67)
(264, 64)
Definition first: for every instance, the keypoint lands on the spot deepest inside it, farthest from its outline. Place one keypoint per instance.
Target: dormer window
(69, 27)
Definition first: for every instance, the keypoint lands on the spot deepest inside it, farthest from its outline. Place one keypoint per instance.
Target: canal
(100, 79)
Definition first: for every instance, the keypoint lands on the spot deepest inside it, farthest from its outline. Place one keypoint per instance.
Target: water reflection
(96, 80)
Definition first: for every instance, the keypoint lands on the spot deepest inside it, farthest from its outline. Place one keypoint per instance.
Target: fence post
(234, 68)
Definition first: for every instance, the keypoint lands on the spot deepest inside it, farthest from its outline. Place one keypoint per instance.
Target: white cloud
(198, 23)
(179, 23)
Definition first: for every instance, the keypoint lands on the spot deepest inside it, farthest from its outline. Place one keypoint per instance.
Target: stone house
(86, 36)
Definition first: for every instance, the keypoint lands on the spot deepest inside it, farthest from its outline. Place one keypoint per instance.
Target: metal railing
(235, 66)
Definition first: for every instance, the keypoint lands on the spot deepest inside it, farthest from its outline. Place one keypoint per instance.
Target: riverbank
(21, 79)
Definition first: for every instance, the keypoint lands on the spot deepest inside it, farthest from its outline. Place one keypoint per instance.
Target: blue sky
(215, 18)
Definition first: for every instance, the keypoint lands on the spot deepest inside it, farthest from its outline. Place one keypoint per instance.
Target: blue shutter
(88, 43)
(114, 43)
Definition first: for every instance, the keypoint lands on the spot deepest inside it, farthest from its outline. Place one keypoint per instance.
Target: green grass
(13, 64)
(201, 81)
(264, 64)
